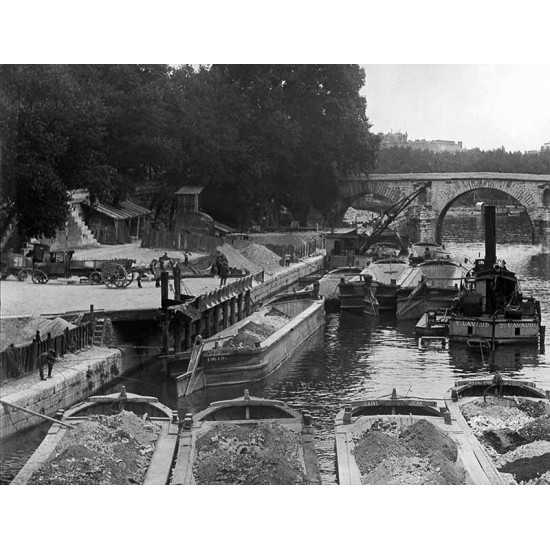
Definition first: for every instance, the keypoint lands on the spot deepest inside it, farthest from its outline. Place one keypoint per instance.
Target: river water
(354, 357)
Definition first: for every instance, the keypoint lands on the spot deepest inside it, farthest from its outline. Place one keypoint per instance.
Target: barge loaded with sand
(253, 348)
(248, 440)
(511, 419)
(117, 439)
(402, 440)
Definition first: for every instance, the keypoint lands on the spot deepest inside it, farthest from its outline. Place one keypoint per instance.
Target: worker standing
(47, 358)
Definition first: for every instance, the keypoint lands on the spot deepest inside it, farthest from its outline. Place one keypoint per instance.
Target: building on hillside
(436, 145)
(118, 224)
(189, 217)
(393, 139)
(91, 224)
(401, 139)
(546, 146)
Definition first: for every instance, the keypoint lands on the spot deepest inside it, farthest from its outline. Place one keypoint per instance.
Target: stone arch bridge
(424, 217)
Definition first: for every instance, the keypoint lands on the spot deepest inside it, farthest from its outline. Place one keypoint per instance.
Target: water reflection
(355, 357)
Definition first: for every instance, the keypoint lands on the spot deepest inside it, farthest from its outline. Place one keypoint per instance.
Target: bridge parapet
(532, 191)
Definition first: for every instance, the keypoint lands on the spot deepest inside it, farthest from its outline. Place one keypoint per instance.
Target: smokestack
(489, 215)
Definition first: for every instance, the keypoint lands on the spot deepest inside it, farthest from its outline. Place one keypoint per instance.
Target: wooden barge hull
(158, 472)
(413, 308)
(240, 411)
(219, 368)
(477, 465)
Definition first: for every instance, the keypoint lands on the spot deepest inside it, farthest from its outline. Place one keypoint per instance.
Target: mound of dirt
(534, 408)
(107, 450)
(23, 330)
(418, 455)
(376, 446)
(257, 330)
(424, 438)
(238, 260)
(538, 429)
(263, 257)
(252, 454)
(503, 440)
(484, 416)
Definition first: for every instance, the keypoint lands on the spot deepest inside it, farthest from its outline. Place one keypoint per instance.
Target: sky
(485, 106)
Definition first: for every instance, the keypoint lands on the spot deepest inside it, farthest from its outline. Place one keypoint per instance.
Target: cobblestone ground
(27, 299)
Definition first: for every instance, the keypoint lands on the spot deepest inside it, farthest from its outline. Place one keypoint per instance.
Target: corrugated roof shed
(125, 211)
(137, 209)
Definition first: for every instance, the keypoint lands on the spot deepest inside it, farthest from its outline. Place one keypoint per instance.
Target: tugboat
(433, 285)
(357, 295)
(491, 307)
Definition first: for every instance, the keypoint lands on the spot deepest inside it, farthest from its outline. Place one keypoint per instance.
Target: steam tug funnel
(489, 216)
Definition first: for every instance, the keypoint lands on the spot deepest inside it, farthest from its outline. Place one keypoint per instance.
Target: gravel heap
(261, 256)
(238, 260)
(106, 450)
(417, 455)
(249, 454)
(516, 437)
(257, 330)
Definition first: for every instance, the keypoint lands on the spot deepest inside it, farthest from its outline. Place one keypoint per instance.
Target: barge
(433, 285)
(431, 421)
(328, 284)
(247, 440)
(251, 349)
(155, 416)
(511, 419)
(385, 274)
(357, 295)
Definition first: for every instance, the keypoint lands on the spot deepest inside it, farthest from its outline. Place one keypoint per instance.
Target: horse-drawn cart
(43, 264)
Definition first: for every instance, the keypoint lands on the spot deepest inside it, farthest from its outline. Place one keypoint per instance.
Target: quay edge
(75, 377)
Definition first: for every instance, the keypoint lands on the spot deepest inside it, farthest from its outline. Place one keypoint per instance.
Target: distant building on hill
(400, 139)
(546, 146)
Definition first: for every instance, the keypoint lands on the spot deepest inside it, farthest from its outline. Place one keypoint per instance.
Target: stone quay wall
(75, 377)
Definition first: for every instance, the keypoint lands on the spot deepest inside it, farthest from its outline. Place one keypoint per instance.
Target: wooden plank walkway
(474, 447)
(183, 469)
(158, 472)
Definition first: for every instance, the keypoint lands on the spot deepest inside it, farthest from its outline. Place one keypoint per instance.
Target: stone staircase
(88, 238)
(7, 233)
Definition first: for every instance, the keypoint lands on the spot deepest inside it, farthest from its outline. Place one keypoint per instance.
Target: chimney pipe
(489, 215)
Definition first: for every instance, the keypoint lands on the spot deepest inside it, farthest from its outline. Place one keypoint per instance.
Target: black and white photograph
(256, 273)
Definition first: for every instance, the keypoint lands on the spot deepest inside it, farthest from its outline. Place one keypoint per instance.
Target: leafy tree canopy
(258, 137)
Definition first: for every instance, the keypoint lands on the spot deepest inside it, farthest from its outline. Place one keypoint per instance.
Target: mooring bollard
(187, 421)
(347, 414)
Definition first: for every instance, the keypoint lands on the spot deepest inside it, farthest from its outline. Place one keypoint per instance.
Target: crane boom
(388, 216)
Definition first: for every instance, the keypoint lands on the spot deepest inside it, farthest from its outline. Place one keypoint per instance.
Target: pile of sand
(251, 454)
(107, 450)
(418, 455)
(263, 257)
(238, 260)
(22, 330)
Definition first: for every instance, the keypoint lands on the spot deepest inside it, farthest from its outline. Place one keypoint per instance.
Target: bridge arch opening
(463, 207)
